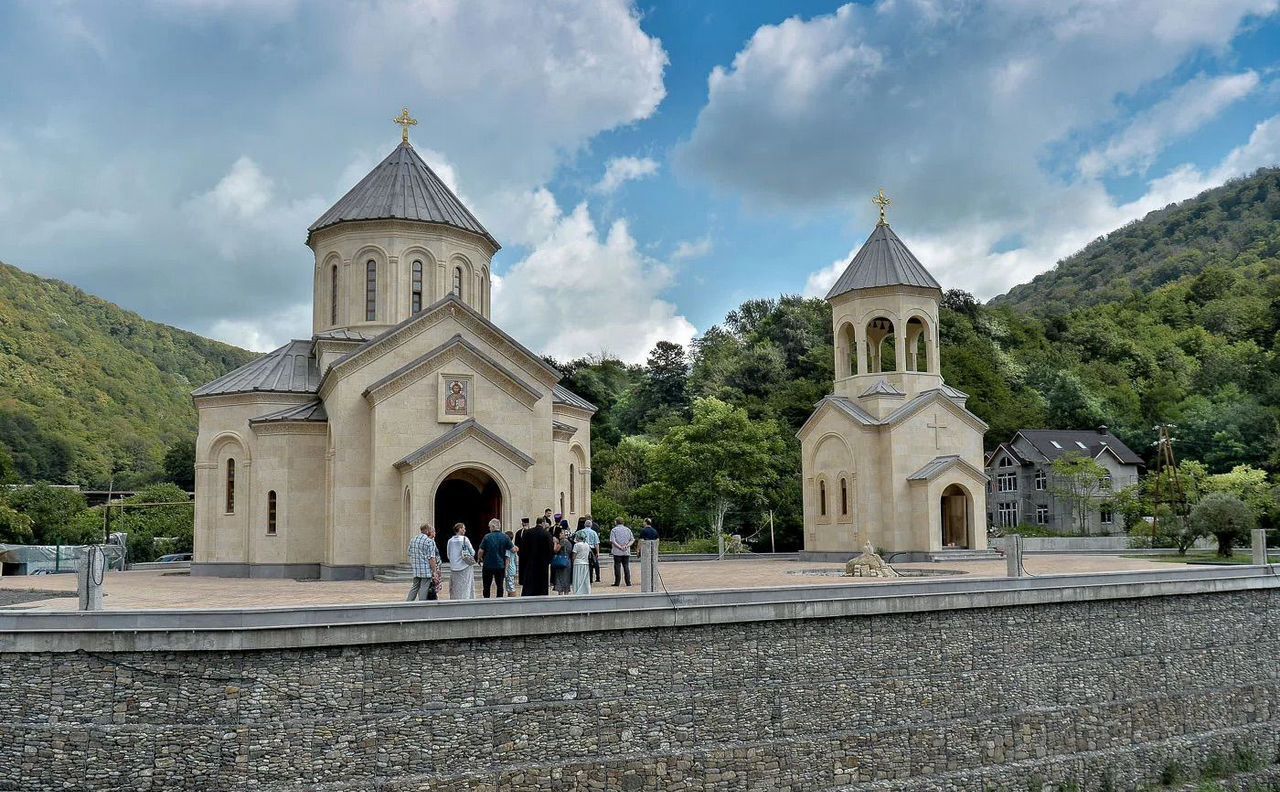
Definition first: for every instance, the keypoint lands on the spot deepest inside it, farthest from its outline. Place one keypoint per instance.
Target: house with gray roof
(1021, 486)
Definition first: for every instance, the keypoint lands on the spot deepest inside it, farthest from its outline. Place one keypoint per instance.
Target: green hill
(1233, 225)
(85, 384)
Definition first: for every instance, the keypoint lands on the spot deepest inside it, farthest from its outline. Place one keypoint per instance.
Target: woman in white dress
(581, 564)
(462, 565)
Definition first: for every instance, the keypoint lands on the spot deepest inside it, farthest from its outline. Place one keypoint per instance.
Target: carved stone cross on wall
(936, 426)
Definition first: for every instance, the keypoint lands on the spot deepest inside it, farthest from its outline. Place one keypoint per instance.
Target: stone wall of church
(1104, 693)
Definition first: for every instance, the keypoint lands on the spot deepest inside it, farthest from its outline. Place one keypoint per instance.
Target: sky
(646, 166)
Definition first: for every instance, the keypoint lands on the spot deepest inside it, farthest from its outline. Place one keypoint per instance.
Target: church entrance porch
(955, 509)
(468, 496)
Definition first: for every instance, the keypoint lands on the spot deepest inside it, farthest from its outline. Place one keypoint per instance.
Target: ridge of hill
(1233, 225)
(86, 386)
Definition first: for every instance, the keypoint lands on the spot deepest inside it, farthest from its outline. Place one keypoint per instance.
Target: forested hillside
(86, 385)
(1230, 225)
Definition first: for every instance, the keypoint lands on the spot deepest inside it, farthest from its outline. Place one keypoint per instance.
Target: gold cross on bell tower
(405, 122)
(883, 201)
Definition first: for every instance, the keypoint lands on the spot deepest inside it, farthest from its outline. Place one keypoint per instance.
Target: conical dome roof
(402, 187)
(883, 260)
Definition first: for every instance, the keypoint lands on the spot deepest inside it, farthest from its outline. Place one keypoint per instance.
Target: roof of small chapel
(289, 369)
(402, 187)
(883, 260)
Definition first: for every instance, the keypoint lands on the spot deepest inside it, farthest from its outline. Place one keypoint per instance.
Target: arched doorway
(955, 517)
(468, 496)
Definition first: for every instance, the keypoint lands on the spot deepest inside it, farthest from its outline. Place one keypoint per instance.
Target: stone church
(892, 456)
(406, 405)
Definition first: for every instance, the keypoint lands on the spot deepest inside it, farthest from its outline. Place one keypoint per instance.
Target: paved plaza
(152, 589)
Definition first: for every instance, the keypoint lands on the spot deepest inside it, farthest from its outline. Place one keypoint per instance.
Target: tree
(1078, 480)
(155, 530)
(180, 464)
(1226, 517)
(720, 460)
(8, 470)
(50, 509)
(15, 527)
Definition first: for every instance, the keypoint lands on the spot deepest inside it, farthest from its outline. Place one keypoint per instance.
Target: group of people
(547, 556)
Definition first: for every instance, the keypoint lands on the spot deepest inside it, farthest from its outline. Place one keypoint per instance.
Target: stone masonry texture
(1102, 693)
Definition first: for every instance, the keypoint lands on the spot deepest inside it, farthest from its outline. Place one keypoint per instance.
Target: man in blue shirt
(424, 557)
(493, 557)
(592, 539)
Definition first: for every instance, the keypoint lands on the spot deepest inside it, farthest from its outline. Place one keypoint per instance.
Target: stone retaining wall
(1104, 693)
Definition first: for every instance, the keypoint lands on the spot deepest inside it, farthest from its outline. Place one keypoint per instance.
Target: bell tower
(397, 242)
(884, 310)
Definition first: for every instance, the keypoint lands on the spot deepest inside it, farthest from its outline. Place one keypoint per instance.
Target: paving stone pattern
(1102, 693)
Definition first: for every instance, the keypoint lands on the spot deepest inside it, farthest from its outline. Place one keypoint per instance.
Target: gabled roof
(289, 369)
(312, 411)
(939, 465)
(883, 260)
(402, 187)
(849, 408)
(460, 432)
(453, 303)
(1094, 442)
(562, 395)
(461, 346)
(340, 334)
(1006, 448)
(882, 388)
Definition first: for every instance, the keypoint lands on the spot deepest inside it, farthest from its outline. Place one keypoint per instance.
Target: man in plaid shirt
(424, 557)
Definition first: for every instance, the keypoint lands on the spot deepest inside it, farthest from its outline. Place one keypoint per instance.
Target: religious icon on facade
(456, 398)
(455, 402)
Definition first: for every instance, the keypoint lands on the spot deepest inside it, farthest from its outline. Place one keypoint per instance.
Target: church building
(892, 457)
(406, 405)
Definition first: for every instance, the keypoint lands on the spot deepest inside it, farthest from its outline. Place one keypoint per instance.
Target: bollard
(91, 571)
(1259, 546)
(648, 566)
(1013, 554)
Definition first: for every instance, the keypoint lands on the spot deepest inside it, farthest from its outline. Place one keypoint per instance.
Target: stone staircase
(945, 556)
(402, 573)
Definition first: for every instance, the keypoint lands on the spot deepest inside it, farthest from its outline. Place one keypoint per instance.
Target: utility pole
(773, 548)
(1168, 487)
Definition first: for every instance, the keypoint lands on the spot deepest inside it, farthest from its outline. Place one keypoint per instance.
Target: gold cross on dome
(883, 201)
(405, 122)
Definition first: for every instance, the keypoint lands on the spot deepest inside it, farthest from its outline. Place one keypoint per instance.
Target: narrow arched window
(457, 281)
(822, 498)
(370, 291)
(844, 498)
(417, 287)
(562, 511)
(271, 513)
(231, 486)
(573, 499)
(333, 295)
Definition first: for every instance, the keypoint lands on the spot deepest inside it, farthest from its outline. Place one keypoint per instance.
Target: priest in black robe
(535, 561)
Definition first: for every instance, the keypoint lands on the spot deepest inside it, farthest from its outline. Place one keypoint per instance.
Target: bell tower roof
(403, 187)
(883, 260)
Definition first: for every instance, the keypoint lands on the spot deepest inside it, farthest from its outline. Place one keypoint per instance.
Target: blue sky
(647, 167)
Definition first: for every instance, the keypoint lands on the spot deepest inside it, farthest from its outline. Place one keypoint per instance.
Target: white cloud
(1185, 110)
(580, 294)
(692, 248)
(266, 333)
(959, 112)
(620, 170)
(507, 115)
(204, 229)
